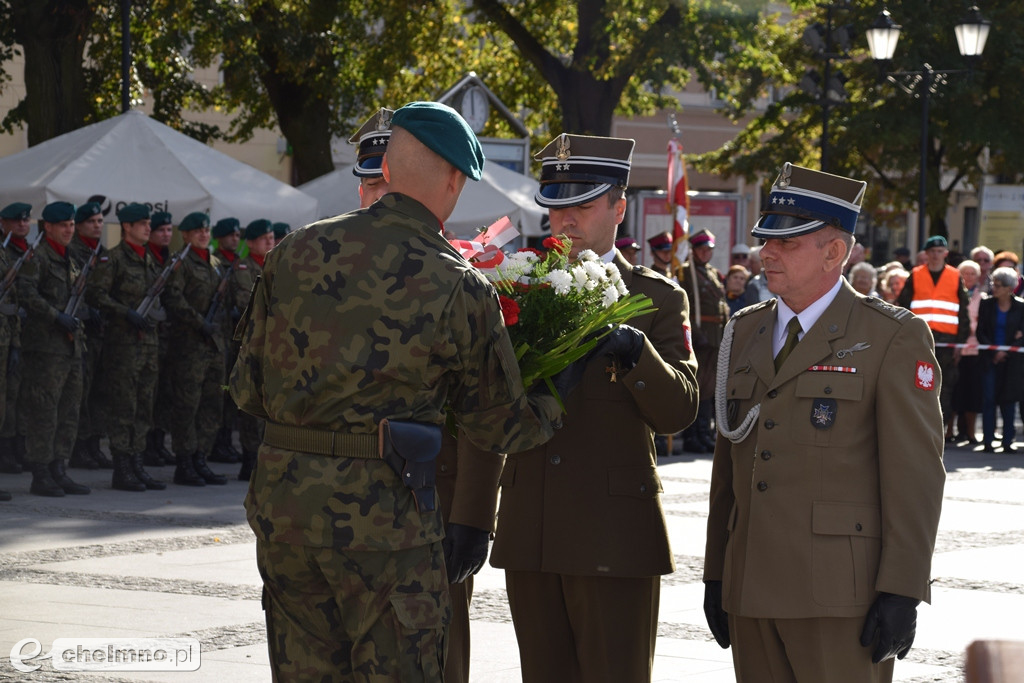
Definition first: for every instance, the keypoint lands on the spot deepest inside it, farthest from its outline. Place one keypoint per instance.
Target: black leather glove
(208, 330)
(13, 359)
(137, 320)
(94, 323)
(892, 619)
(465, 549)
(718, 620)
(68, 323)
(626, 343)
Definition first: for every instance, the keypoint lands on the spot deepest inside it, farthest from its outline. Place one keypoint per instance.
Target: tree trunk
(53, 35)
(305, 122)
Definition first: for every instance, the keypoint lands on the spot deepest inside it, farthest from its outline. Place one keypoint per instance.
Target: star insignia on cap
(378, 141)
(561, 167)
(791, 201)
(775, 200)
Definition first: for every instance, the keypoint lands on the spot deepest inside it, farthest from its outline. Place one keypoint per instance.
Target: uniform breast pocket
(739, 393)
(824, 402)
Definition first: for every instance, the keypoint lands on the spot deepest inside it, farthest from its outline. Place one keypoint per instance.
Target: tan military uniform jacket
(588, 502)
(834, 495)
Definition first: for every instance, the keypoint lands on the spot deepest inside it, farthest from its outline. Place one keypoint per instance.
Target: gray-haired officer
(52, 393)
(581, 533)
(372, 138)
(827, 477)
(16, 225)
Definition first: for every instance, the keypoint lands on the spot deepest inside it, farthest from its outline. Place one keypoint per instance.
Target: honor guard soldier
(52, 395)
(129, 362)
(197, 318)
(581, 533)
(260, 239)
(228, 233)
(703, 284)
(156, 455)
(372, 138)
(349, 359)
(16, 225)
(661, 254)
(86, 246)
(628, 247)
(827, 477)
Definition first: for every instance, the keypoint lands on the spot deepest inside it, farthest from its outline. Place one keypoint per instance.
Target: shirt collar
(808, 316)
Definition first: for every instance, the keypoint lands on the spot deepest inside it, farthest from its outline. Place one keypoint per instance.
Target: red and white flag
(678, 199)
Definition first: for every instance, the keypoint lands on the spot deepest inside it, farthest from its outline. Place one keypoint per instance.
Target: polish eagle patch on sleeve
(924, 377)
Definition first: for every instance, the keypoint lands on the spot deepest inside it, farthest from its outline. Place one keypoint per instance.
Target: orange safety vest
(937, 303)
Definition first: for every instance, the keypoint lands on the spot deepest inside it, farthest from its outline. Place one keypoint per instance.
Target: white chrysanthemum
(621, 287)
(588, 255)
(595, 270)
(561, 281)
(591, 285)
(612, 271)
(579, 275)
(611, 295)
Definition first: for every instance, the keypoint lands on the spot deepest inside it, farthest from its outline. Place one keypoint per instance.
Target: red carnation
(531, 250)
(509, 310)
(555, 244)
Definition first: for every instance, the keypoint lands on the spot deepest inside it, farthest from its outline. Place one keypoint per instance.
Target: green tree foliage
(876, 133)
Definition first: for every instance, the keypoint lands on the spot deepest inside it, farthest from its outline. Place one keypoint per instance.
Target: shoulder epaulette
(753, 308)
(644, 271)
(884, 307)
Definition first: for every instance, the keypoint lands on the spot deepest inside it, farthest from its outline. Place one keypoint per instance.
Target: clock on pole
(475, 108)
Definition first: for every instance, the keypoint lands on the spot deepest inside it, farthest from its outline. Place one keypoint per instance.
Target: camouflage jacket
(357, 318)
(80, 253)
(118, 285)
(187, 298)
(44, 287)
(243, 276)
(10, 325)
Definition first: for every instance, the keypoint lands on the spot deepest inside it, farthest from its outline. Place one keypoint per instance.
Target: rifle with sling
(218, 296)
(153, 293)
(12, 274)
(78, 290)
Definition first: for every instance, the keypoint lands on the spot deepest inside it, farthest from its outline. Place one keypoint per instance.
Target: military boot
(159, 445)
(248, 465)
(98, 455)
(124, 478)
(151, 456)
(81, 457)
(151, 483)
(204, 471)
(185, 473)
(43, 483)
(8, 463)
(60, 476)
(223, 450)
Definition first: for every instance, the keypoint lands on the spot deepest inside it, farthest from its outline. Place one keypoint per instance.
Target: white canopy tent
(134, 158)
(500, 192)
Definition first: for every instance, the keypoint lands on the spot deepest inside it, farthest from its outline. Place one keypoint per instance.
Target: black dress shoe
(988, 448)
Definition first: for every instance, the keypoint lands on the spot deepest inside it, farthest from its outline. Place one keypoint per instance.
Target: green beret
(58, 212)
(194, 221)
(133, 212)
(159, 218)
(225, 227)
(258, 228)
(935, 241)
(281, 229)
(16, 211)
(444, 132)
(87, 211)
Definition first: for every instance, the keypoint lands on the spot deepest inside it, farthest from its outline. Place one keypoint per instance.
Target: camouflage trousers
(250, 432)
(197, 394)
(51, 394)
(11, 426)
(164, 398)
(127, 388)
(357, 617)
(90, 415)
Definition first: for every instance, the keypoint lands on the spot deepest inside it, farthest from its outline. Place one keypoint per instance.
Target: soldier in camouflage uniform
(259, 237)
(157, 455)
(197, 364)
(228, 233)
(51, 396)
(16, 225)
(280, 231)
(357, 319)
(708, 294)
(10, 350)
(129, 362)
(88, 231)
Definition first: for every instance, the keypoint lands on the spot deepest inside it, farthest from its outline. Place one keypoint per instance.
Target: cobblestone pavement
(179, 563)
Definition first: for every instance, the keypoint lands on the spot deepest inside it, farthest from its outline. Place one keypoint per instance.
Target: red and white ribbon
(486, 248)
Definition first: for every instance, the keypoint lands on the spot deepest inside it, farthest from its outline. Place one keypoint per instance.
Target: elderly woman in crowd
(892, 285)
(862, 278)
(1001, 322)
(1008, 259)
(968, 395)
(736, 288)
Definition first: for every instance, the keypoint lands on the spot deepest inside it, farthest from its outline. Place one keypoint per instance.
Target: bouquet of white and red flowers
(557, 311)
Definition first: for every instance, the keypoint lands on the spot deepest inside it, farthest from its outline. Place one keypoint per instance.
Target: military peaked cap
(372, 139)
(576, 169)
(803, 201)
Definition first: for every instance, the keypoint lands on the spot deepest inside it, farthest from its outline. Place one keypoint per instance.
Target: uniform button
(828, 390)
(766, 455)
(762, 486)
(859, 527)
(556, 459)
(643, 488)
(769, 424)
(641, 385)
(444, 468)
(773, 393)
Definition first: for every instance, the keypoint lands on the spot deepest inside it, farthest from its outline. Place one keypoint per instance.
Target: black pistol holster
(410, 449)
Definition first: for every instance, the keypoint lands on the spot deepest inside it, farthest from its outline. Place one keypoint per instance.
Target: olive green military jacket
(358, 318)
(118, 285)
(187, 299)
(588, 502)
(10, 324)
(44, 287)
(835, 493)
(81, 253)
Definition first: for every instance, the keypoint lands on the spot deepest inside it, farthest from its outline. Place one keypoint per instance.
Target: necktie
(793, 330)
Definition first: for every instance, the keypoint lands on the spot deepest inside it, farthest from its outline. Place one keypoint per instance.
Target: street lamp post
(971, 34)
